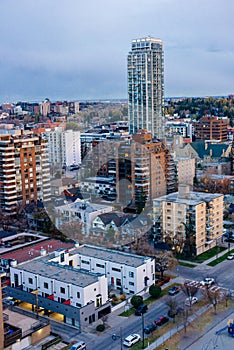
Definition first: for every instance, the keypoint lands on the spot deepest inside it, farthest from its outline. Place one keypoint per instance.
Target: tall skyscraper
(146, 86)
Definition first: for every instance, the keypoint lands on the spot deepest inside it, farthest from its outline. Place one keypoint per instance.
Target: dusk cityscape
(116, 175)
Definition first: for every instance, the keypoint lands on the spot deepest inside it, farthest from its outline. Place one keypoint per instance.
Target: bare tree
(164, 261)
(173, 305)
(190, 290)
(212, 294)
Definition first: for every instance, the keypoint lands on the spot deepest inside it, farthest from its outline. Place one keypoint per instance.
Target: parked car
(208, 281)
(174, 290)
(161, 320)
(150, 328)
(190, 301)
(141, 310)
(131, 340)
(230, 256)
(230, 239)
(78, 346)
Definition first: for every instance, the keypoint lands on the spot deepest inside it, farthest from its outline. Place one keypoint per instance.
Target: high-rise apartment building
(24, 170)
(64, 147)
(198, 213)
(140, 168)
(146, 86)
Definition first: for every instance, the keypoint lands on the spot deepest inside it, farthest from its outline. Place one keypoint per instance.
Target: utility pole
(143, 333)
(121, 339)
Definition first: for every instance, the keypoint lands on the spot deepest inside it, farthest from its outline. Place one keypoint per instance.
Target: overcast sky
(73, 49)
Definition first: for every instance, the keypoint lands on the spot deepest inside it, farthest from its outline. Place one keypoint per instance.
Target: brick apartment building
(211, 128)
(24, 170)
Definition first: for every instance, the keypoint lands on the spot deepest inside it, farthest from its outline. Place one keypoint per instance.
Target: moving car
(208, 281)
(78, 346)
(174, 290)
(230, 256)
(141, 310)
(131, 340)
(150, 328)
(190, 301)
(161, 320)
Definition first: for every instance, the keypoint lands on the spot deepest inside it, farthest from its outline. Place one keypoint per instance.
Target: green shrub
(136, 301)
(154, 291)
(100, 328)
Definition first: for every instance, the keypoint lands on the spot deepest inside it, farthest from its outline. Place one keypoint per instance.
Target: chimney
(183, 191)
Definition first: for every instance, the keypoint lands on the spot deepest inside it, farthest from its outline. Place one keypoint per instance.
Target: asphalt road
(223, 273)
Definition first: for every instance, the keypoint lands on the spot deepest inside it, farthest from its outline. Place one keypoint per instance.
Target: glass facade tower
(146, 86)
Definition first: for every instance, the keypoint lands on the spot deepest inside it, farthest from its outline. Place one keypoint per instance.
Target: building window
(131, 274)
(46, 286)
(118, 282)
(100, 265)
(85, 262)
(78, 294)
(62, 257)
(62, 290)
(131, 283)
(78, 305)
(115, 269)
(30, 280)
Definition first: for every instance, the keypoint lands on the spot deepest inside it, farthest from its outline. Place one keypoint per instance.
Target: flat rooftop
(63, 273)
(110, 255)
(192, 198)
(29, 252)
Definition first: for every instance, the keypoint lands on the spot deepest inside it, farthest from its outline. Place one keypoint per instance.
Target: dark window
(62, 257)
(100, 265)
(62, 290)
(115, 269)
(46, 285)
(30, 280)
(78, 294)
(85, 262)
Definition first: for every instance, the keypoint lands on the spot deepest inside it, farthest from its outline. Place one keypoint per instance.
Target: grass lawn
(186, 264)
(220, 259)
(204, 256)
(209, 254)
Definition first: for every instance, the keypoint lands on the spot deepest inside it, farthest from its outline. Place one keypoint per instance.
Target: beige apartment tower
(204, 211)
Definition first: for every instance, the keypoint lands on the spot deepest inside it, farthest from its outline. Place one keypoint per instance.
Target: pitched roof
(204, 150)
(118, 219)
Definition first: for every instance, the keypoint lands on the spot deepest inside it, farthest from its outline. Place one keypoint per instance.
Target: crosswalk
(214, 288)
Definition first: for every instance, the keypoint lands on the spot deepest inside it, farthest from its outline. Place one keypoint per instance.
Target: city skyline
(66, 50)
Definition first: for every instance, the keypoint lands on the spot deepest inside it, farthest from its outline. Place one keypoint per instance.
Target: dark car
(230, 239)
(174, 290)
(161, 320)
(141, 310)
(150, 328)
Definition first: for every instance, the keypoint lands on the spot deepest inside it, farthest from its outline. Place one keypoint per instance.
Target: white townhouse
(55, 280)
(127, 272)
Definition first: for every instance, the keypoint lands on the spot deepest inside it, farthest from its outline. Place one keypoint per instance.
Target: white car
(131, 340)
(190, 301)
(230, 257)
(208, 281)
